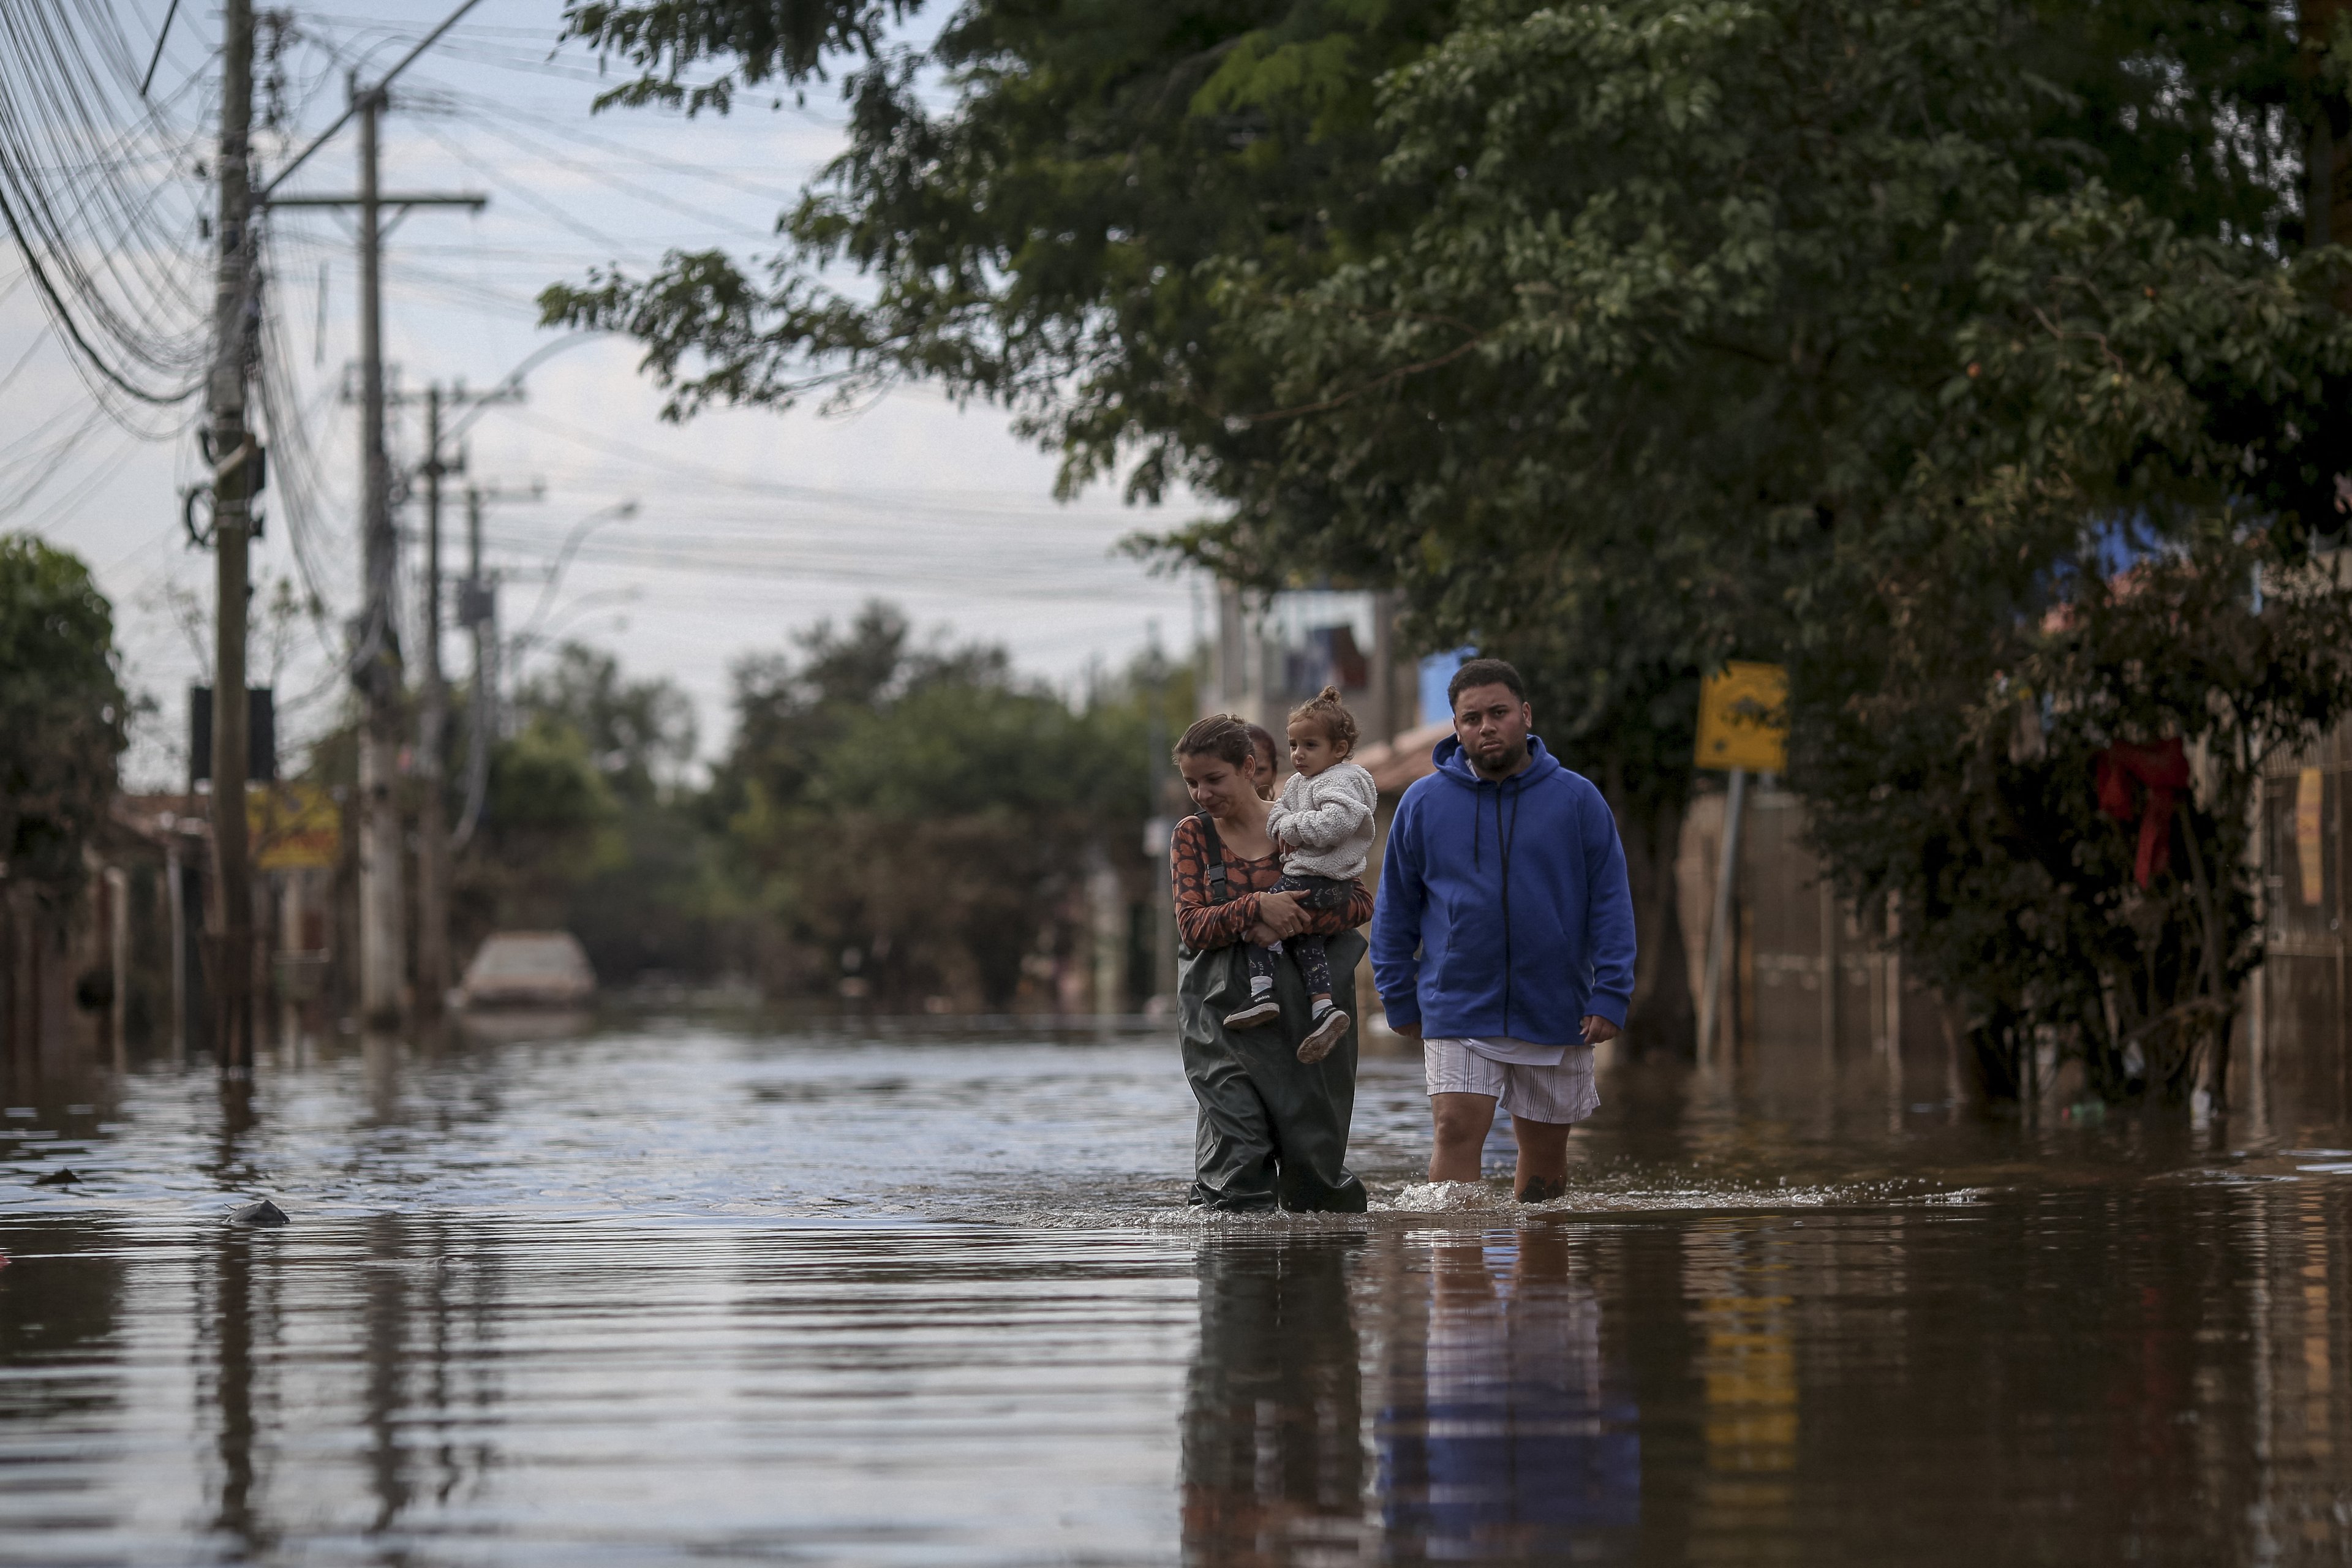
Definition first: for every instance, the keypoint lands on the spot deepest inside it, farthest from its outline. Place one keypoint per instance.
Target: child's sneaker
(1325, 1033)
(1261, 1008)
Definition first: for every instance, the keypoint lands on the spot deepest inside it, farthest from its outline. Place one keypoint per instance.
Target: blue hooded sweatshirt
(1504, 908)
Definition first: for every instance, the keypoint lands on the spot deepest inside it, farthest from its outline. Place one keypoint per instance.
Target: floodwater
(680, 1293)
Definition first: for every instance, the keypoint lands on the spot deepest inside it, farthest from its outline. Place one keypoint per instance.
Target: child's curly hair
(1339, 725)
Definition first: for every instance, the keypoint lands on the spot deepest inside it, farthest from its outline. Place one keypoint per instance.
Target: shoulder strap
(1215, 848)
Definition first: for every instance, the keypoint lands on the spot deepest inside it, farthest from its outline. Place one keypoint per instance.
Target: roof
(1395, 763)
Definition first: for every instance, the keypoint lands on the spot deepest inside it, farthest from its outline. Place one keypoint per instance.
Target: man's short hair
(1484, 672)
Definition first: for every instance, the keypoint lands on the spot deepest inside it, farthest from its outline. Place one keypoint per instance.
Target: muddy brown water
(678, 1293)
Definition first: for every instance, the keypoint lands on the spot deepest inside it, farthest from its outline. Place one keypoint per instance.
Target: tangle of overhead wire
(523, 192)
(86, 167)
(48, 463)
(296, 471)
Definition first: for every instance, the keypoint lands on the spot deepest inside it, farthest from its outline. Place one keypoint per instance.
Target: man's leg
(1543, 1160)
(1462, 1121)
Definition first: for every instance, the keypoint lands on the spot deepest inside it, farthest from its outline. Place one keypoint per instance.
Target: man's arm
(1396, 921)
(1608, 915)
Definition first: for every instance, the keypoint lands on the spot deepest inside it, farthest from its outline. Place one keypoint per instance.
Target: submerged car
(528, 969)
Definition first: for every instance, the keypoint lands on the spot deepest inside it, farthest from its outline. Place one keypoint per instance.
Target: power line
(522, 192)
(606, 176)
(863, 497)
(123, 287)
(23, 493)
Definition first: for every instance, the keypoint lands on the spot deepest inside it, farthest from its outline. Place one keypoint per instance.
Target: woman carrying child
(1273, 1130)
(1323, 820)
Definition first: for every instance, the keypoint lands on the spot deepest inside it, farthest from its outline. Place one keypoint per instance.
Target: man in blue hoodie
(1503, 935)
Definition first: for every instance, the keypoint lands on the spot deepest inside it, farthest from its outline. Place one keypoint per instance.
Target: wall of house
(2298, 1033)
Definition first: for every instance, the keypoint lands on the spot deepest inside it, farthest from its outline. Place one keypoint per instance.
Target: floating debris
(263, 1212)
(58, 1178)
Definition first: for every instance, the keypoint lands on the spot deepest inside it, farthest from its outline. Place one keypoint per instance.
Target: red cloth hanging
(2163, 770)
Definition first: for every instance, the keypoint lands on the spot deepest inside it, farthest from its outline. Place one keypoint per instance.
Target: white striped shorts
(1553, 1094)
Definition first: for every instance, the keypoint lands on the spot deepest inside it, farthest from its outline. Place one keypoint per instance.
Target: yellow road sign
(1743, 719)
(294, 827)
(2310, 797)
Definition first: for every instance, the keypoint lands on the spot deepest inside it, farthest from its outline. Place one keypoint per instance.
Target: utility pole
(1159, 831)
(376, 668)
(434, 969)
(236, 463)
(478, 611)
(378, 672)
(432, 822)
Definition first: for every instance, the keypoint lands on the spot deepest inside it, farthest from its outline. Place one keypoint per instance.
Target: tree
(1687, 355)
(1053, 239)
(62, 715)
(1614, 334)
(640, 734)
(593, 825)
(2101, 563)
(920, 815)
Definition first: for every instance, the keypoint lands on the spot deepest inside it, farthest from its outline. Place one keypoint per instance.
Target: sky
(747, 525)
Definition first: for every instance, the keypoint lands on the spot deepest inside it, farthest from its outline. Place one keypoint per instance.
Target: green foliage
(925, 813)
(787, 39)
(913, 804)
(1957, 794)
(1051, 240)
(1628, 337)
(637, 734)
(591, 827)
(551, 815)
(62, 714)
(1723, 323)
(1988, 648)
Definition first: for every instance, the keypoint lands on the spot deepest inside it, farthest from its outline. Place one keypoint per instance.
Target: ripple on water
(678, 1295)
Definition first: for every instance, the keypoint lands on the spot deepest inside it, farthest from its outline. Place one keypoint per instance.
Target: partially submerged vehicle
(532, 969)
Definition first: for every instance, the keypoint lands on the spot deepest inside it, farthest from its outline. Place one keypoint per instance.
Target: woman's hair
(1266, 755)
(1325, 709)
(1219, 735)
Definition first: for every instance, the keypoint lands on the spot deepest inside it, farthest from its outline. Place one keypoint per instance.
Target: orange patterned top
(1206, 924)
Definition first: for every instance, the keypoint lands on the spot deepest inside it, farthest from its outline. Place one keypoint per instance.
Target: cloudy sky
(747, 525)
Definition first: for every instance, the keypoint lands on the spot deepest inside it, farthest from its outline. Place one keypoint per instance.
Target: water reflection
(670, 1296)
(1502, 1432)
(1273, 1448)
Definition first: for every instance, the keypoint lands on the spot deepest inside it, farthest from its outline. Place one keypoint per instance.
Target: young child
(1324, 824)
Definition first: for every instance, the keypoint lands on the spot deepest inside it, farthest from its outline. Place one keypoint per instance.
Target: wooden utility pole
(432, 818)
(434, 969)
(478, 611)
(236, 463)
(375, 661)
(376, 671)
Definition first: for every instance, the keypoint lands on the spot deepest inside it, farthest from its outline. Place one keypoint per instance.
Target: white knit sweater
(1325, 822)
